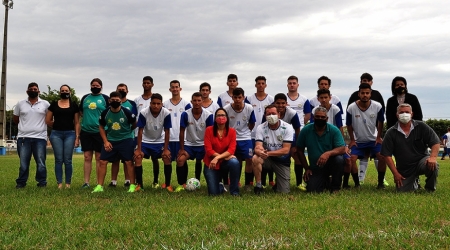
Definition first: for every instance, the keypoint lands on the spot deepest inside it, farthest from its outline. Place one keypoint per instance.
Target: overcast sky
(56, 42)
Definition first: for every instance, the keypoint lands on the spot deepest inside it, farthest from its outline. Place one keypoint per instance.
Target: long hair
(227, 124)
(394, 81)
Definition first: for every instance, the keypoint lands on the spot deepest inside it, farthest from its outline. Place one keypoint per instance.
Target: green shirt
(118, 124)
(92, 106)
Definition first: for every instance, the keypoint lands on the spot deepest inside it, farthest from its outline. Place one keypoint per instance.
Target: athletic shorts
(174, 147)
(195, 152)
(121, 150)
(153, 150)
(361, 149)
(244, 149)
(91, 141)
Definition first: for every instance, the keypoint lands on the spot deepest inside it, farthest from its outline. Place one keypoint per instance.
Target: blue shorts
(121, 150)
(174, 147)
(447, 150)
(244, 149)
(195, 152)
(153, 150)
(361, 149)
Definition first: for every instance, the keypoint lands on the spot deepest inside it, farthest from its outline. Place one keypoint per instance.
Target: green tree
(53, 95)
(439, 126)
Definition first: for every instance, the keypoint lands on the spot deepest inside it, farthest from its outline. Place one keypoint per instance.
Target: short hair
(175, 81)
(366, 76)
(147, 78)
(280, 96)
(324, 78)
(293, 78)
(97, 80)
(260, 78)
(238, 91)
(323, 91)
(122, 85)
(115, 94)
(232, 76)
(269, 107)
(32, 84)
(403, 105)
(205, 84)
(398, 78)
(365, 86)
(197, 94)
(157, 96)
(320, 109)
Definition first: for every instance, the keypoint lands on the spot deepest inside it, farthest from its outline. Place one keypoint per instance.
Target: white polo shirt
(32, 118)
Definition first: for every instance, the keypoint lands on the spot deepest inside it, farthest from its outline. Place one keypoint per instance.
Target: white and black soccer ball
(192, 184)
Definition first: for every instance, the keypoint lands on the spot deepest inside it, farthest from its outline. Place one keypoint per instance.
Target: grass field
(48, 218)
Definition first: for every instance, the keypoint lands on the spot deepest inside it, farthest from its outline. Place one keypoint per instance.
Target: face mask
(32, 94)
(123, 93)
(64, 95)
(115, 104)
(404, 118)
(221, 120)
(272, 119)
(95, 90)
(320, 123)
(400, 90)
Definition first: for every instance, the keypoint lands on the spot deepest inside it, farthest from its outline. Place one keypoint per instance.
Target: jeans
(63, 143)
(213, 177)
(36, 147)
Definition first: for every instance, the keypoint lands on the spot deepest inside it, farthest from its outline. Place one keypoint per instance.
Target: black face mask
(32, 94)
(320, 123)
(400, 90)
(115, 104)
(123, 94)
(64, 95)
(95, 90)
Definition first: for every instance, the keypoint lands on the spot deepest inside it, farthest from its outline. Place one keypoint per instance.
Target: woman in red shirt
(220, 144)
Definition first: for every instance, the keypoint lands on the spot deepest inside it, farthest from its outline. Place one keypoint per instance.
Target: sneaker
(138, 188)
(19, 186)
(111, 184)
(272, 183)
(85, 185)
(155, 185)
(98, 189)
(381, 186)
(132, 188)
(41, 185)
(361, 182)
(385, 183)
(258, 190)
(163, 186)
(179, 188)
(302, 187)
(346, 186)
(126, 184)
(223, 186)
(169, 189)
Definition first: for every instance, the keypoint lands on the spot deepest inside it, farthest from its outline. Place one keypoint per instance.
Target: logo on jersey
(99, 101)
(357, 116)
(279, 137)
(92, 105)
(244, 118)
(300, 105)
(372, 115)
(232, 117)
(181, 109)
(202, 125)
(122, 120)
(115, 126)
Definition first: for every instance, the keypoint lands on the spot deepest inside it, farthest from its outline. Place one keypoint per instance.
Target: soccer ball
(192, 184)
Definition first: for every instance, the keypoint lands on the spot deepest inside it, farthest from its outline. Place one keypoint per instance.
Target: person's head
(272, 114)
(156, 103)
(96, 86)
(205, 89)
(64, 91)
(398, 86)
(260, 84)
(366, 78)
(280, 101)
(364, 92)
(292, 84)
(115, 99)
(404, 113)
(238, 96)
(232, 81)
(175, 87)
(324, 82)
(147, 83)
(196, 100)
(320, 117)
(33, 90)
(122, 88)
(324, 97)
(220, 119)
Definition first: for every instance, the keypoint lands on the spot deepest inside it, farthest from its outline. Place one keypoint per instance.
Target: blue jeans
(36, 147)
(213, 177)
(63, 143)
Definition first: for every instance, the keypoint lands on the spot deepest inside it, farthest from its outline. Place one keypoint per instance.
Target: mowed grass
(48, 218)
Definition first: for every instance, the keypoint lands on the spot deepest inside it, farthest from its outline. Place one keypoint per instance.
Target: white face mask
(404, 118)
(272, 119)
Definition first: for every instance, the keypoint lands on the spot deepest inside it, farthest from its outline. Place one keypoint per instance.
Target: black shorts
(91, 141)
(121, 150)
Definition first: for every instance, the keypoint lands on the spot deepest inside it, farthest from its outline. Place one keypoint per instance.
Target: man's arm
(326, 155)
(106, 143)
(16, 119)
(397, 176)
(282, 151)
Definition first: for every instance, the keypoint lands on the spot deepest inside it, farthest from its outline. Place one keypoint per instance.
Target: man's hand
(138, 154)
(431, 163)
(378, 141)
(307, 174)
(323, 159)
(351, 144)
(398, 179)
(108, 146)
(181, 153)
(166, 154)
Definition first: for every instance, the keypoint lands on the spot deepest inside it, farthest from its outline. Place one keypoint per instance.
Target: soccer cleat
(98, 189)
(346, 187)
(138, 188)
(155, 185)
(132, 188)
(381, 186)
(19, 186)
(111, 184)
(302, 187)
(180, 188)
(169, 189)
(385, 183)
(163, 186)
(258, 190)
(126, 184)
(272, 183)
(361, 182)
(85, 185)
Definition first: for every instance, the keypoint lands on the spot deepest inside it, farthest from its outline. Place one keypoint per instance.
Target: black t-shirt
(63, 117)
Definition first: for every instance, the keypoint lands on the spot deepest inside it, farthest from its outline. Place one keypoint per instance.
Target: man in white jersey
(302, 106)
(176, 105)
(325, 83)
(29, 115)
(365, 119)
(154, 125)
(273, 143)
(207, 103)
(242, 119)
(227, 97)
(193, 124)
(446, 142)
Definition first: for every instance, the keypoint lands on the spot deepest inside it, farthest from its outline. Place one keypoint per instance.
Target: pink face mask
(221, 120)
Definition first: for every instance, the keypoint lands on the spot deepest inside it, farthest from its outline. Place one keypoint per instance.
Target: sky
(58, 42)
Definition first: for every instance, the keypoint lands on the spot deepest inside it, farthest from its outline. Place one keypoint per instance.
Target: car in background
(11, 144)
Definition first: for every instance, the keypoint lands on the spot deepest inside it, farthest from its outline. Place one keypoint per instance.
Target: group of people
(260, 131)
